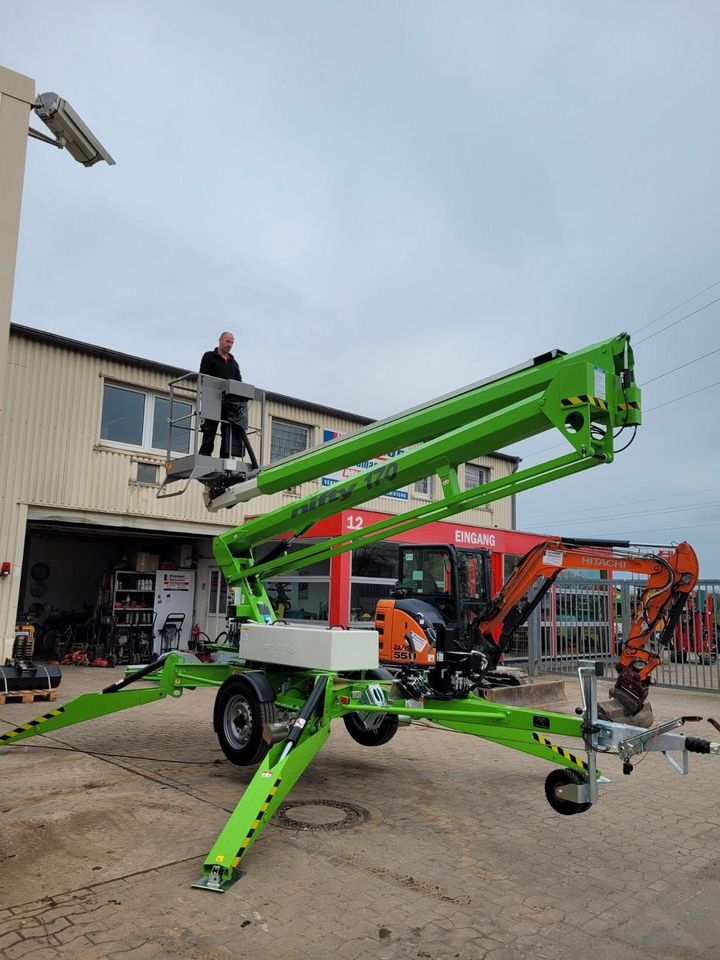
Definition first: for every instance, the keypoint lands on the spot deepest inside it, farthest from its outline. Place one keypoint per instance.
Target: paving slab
(105, 826)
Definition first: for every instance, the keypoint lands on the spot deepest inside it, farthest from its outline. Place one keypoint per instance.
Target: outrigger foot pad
(215, 883)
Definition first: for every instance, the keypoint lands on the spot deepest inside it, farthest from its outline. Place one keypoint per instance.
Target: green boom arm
(584, 395)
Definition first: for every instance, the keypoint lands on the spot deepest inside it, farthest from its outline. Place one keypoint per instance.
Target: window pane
(287, 438)
(223, 598)
(299, 599)
(510, 561)
(364, 598)
(376, 560)
(181, 430)
(472, 570)
(218, 594)
(425, 570)
(122, 415)
(424, 487)
(474, 475)
(320, 568)
(213, 594)
(147, 473)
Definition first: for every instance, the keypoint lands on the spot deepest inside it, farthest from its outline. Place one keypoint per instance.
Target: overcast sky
(385, 201)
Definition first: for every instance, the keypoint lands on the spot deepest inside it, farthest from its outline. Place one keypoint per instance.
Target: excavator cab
(440, 590)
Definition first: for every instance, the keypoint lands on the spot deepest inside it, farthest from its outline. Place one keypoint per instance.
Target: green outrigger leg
(283, 765)
(90, 706)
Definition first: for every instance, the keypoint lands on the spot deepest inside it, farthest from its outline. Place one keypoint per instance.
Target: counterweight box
(313, 648)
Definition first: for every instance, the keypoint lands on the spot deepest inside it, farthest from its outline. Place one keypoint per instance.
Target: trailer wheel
(376, 737)
(238, 720)
(385, 730)
(562, 778)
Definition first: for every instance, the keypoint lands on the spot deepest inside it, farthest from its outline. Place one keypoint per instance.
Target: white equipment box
(312, 648)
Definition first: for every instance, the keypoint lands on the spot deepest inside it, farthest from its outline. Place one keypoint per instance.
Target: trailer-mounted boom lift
(276, 700)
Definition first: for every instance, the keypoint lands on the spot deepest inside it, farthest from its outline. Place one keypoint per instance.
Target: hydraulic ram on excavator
(278, 696)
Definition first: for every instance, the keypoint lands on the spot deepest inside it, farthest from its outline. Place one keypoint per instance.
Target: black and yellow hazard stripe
(592, 401)
(560, 751)
(30, 725)
(256, 823)
(631, 405)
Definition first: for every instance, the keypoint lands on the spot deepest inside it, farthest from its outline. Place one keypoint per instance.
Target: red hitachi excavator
(442, 622)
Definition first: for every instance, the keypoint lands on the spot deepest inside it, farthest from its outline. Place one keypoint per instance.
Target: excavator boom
(671, 577)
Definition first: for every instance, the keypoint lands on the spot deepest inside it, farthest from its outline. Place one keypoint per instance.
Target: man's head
(225, 344)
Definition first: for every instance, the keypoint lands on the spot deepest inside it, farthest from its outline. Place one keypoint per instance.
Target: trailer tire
(385, 730)
(238, 718)
(561, 778)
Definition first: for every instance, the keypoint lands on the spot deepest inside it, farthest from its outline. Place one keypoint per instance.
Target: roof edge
(80, 346)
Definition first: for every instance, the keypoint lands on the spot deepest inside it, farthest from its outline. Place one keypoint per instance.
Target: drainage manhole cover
(319, 815)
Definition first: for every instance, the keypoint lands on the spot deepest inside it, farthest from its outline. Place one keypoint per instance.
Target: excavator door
(440, 590)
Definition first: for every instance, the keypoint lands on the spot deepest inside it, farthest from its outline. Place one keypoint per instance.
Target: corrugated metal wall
(51, 455)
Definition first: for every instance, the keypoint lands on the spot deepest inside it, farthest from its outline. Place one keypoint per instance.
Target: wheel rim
(237, 722)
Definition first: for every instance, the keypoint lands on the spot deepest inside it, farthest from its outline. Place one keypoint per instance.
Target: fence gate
(587, 620)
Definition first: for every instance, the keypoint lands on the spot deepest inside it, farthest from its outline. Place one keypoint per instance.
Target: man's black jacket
(214, 366)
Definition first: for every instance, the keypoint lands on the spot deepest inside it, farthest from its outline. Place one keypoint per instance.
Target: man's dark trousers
(235, 420)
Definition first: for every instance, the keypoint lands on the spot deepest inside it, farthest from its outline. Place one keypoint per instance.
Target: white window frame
(150, 396)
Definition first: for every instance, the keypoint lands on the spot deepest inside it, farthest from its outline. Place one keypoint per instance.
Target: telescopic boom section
(585, 396)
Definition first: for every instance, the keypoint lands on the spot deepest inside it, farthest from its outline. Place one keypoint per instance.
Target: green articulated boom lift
(280, 691)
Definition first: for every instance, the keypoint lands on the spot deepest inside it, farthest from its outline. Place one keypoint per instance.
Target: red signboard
(497, 542)
(438, 531)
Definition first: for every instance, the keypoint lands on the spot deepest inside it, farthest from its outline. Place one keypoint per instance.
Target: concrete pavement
(433, 846)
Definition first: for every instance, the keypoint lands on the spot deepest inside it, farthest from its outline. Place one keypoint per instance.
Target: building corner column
(12, 548)
(17, 95)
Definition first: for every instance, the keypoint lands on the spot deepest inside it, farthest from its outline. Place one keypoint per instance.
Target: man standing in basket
(221, 363)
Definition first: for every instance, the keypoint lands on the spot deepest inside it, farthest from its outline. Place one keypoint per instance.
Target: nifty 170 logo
(371, 464)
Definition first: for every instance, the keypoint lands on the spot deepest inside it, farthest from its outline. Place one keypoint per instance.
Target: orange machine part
(677, 580)
(402, 640)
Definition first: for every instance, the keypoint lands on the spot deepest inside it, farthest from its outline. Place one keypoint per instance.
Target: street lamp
(70, 131)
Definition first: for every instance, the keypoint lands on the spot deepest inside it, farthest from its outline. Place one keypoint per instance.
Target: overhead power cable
(683, 304)
(692, 526)
(629, 503)
(634, 513)
(675, 322)
(684, 395)
(682, 365)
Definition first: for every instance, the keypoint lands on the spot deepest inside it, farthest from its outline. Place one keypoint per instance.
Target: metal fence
(587, 619)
